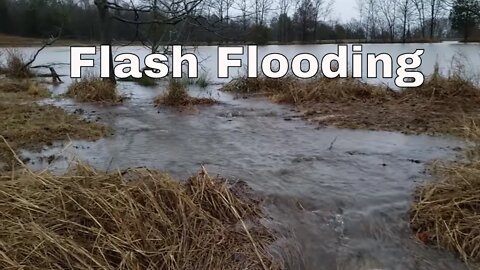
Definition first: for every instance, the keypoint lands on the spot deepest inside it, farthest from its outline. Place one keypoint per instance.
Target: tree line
(158, 22)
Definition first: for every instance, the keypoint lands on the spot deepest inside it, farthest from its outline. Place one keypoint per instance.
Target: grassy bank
(135, 219)
(441, 105)
(27, 125)
(9, 41)
(446, 210)
(132, 219)
(21, 90)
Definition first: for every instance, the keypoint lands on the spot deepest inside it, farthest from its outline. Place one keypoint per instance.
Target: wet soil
(27, 125)
(411, 118)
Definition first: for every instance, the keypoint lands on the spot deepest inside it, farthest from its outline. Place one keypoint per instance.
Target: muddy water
(339, 197)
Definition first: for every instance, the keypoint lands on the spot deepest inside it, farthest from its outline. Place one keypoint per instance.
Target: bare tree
(261, 10)
(323, 9)
(242, 6)
(430, 11)
(164, 12)
(388, 9)
(228, 7)
(305, 18)
(369, 17)
(437, 7)
(284, 6)
(406, 12)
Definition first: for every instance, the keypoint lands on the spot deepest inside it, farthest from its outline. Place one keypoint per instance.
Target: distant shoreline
(8, 41)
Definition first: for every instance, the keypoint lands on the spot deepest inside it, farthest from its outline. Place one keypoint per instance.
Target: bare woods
(155, 22)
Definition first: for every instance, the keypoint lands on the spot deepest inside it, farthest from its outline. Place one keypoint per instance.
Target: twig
(332, 143)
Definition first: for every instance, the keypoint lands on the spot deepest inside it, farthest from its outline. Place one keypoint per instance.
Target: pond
(449, 56)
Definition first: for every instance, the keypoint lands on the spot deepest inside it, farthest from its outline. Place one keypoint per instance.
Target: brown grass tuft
(299, 91)
(177, 95)
(135, 219)
(446, 212)
(94, 90)
(16, 65)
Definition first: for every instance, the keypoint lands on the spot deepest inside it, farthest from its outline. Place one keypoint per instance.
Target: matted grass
(135, 219)
(31, 126)
(91, 89)
(448, 89)
(297, 91)
(22, 90)
(437, 107)
(446, 211)
(177, 96)
(27, 125)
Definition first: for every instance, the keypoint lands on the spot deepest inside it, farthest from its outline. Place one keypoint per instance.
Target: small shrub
(177, 95)
(146, 81)
(15, 66)
(94, 90)
(202, 81)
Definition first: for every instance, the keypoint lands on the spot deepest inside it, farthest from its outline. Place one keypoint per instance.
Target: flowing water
(338, 197)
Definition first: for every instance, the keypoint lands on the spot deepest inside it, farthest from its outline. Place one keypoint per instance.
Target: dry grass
(15, 66)
(94, 90)
(446, 211)
(439, 106)
(22, 90)
(447, 89)
(31, 126)
(135, 219)
(333, 90)
(177, 95)
(16, 41)
(297, 91)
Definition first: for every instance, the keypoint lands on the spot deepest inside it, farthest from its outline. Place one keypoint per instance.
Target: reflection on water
(339, 197)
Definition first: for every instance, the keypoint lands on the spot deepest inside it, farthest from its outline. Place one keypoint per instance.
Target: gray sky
(345, 9)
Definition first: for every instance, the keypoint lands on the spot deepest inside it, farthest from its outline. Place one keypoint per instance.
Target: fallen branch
(53, 72)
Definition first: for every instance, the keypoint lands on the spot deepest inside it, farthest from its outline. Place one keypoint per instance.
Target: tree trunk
(105, 21)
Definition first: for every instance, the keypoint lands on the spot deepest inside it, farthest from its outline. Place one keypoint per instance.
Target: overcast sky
(345, 9)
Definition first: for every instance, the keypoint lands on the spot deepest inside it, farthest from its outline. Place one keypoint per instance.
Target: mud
(410, 118)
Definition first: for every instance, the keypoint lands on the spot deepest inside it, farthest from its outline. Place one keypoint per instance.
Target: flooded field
(339, 197)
